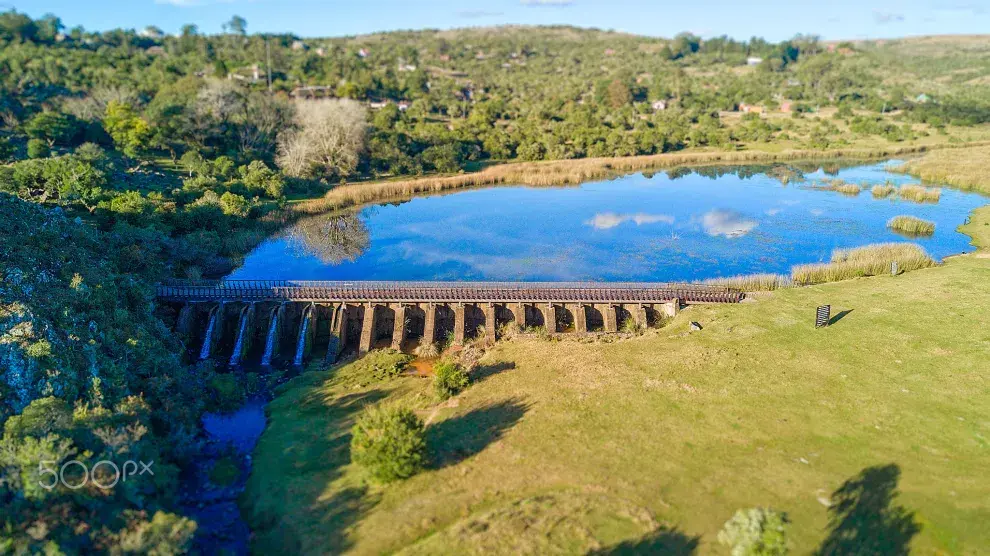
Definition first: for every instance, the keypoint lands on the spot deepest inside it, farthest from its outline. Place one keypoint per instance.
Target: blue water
(627, 229)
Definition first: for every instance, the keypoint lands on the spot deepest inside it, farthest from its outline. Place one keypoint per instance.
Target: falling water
(301, 342)
(266, 358)
(204, 352)
(239, 344)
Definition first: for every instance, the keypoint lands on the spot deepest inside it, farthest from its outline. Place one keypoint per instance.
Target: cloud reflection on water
(727, 223)
(607, 220)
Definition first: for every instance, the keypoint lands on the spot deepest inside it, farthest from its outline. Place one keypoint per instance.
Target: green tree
(619, 94)
(38, 148)
(56, 128)
(449, 378)
(130, 133)
(390, 442)
(756, 532)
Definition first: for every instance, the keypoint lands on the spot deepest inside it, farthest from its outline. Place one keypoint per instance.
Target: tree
(756, 532)
(53, 127)
(130, 133)
(236, 25)
(328, 141)
(258, 177)
(37, 148)
(449, 378)
(6, 150)
(389, 442)
(618, 94)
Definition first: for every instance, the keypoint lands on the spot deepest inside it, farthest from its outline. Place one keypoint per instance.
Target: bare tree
(328, 140)
(220, 99)
(94, 106)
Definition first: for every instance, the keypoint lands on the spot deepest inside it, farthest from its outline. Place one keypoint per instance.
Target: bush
(38, 148)
(448, 379)
(383, 364)
(389, 442)
(755, 532)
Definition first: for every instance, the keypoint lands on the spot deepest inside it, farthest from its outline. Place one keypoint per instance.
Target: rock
(695, 326)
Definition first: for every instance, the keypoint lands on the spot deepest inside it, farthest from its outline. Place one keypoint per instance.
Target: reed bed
(883, 191)
(565, 172)
(911, 225)
(753, 282)
(839, 186)
(964, 168)
(869, 260)
(919, 193)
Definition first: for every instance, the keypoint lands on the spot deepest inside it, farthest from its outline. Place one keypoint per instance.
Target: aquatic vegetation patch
(919, 193)
(911, 225)
(869, 260)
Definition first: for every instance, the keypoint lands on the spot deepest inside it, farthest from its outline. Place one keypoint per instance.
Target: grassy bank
(962, 168)
(572, 172)
(655, 441)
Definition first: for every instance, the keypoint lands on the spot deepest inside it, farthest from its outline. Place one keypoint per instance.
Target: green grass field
(650, 444)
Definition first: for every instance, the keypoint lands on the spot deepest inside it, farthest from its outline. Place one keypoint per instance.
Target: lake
(682, 225)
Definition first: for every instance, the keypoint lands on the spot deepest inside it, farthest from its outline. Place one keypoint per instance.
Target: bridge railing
(358, 291)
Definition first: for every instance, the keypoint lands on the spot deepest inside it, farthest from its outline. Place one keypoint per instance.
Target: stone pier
(460, 324)
(639, 315)
(490, 326)
(549, 317)
(367, 328)
(399, 327)
(430, 325)
(608, 315)
(519, 314)
(580, 317)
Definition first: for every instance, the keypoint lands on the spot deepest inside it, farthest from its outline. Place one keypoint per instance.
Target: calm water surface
(659, 228)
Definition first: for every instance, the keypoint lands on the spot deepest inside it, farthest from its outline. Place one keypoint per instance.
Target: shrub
(382, 364)
(389, 442)
(911, 225)
(233, 204)
(755, 532)
(37, 148)
(448, 379)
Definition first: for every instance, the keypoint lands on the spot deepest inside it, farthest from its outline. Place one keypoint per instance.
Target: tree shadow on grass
(315, 444)
(484, 371)
(863, 518)
(458, 438)
(660, 541)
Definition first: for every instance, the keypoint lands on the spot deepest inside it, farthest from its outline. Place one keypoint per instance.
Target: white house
(754, 61)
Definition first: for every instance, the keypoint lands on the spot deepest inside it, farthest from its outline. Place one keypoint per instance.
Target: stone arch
(384, 326)
(565, 318)
(415, 323)
(622, 316)
(474, 319)
(444, 323)
(596, 320)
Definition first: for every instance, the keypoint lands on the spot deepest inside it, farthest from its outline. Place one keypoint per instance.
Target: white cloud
(606, 220)
(727, 223)
(883, 18)
(773, 212)
(549, 3)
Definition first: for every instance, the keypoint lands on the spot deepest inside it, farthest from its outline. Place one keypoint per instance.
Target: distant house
(445, 57)
(377, 105)
(659, 105)
(155, 51)
(321, 52)
(786, 106)
(750, 108)
(363, 53)
(754, 61)
(407, 67)
(923, 98)
(298, 45)
(403, 105)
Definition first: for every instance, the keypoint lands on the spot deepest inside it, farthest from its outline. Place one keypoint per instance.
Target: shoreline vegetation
(577, 171)
(911, 225)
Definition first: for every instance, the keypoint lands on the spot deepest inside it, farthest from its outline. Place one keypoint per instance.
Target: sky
(772, 19)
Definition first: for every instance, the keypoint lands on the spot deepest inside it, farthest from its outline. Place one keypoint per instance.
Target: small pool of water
(677, 226)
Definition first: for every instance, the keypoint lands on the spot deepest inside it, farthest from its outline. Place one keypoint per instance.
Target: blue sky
(772, 19)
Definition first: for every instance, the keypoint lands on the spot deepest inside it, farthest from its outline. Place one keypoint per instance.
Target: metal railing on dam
(442, 292)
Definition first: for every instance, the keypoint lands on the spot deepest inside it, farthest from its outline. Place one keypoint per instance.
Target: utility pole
(268, 54)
